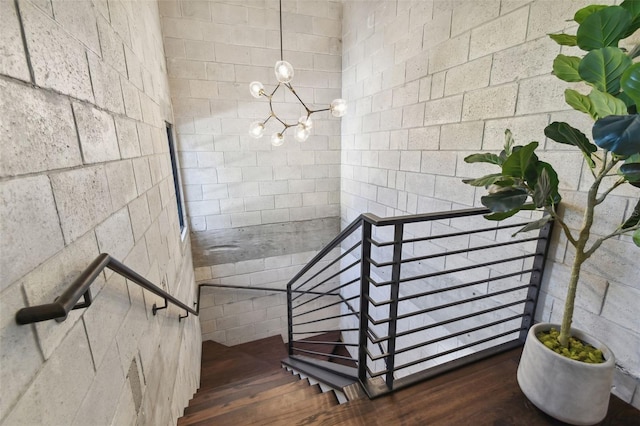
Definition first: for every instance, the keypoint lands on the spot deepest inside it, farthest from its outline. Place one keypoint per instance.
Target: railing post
(539, 261)
(393, 307)
(290, 318)
(365, 272)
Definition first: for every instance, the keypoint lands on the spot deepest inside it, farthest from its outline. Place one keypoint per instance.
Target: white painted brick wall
(482, 67)
(85, 169)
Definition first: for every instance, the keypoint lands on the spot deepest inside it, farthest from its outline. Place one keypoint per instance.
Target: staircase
(247, 384)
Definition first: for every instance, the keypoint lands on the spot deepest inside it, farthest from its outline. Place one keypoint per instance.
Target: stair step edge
(317, 370)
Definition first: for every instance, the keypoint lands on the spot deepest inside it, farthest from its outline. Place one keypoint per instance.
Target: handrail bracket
(158, 308)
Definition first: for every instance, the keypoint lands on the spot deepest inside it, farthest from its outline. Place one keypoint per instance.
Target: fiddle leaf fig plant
(612, 155)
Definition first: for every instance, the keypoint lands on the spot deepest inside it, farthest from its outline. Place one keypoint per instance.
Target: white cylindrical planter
(571, 391)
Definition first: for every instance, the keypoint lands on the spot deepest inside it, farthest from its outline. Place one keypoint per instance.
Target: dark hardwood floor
(245, 385)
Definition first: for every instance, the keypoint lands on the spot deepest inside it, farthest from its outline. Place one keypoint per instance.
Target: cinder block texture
(59, 61)
(39, 129)
(482, 67)
(85, 169)
(13, 60)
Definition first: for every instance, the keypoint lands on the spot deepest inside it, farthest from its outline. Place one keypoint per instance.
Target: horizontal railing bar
(459, 333)
(378, 221)
(373, 357)
(460, 318)
(346, 232)
(467, 250)
(450, 351)
(449, 305)
(458, 234)
(320, 342)
(457, 287)
(445, 289)
(331, 277)
(343, 300)
(326, 294)
(459, 302)
(330, 355)
(448, 321)
(245, 287)
(331, 264)
(322, 319)
(325, 331)
(469, 300)
(377, 374)
(452, 234)
(452, 271)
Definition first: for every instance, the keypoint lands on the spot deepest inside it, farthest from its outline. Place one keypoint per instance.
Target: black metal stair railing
(405, 298)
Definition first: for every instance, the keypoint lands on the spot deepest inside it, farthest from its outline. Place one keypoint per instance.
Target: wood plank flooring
(244, 385)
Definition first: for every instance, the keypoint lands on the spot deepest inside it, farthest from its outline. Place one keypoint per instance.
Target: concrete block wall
(85, 169)
(430, 82)
(237, 316)
(214, 50)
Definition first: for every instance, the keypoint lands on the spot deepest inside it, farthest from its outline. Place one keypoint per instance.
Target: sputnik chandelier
(284, 75)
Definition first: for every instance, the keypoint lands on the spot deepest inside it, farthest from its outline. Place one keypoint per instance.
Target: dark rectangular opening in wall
(176, 176)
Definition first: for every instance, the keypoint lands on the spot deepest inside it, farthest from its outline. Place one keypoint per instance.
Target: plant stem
(581, 255)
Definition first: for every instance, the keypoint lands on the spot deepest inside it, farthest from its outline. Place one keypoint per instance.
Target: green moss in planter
(577, 350)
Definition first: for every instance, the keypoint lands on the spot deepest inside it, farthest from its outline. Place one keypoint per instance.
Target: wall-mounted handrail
(68, 300)
(81, 287)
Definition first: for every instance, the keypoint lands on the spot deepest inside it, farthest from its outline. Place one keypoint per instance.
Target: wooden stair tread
(326, 348)
(302, 400)
(236, 403)
(222, 365)
(239, 389)
(270, 349)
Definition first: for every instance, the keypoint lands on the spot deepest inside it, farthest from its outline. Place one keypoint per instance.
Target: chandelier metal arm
(290, 87)
(284, 73)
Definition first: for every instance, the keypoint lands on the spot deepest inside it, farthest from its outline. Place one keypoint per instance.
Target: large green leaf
(484, 157)
(619, 134)
(603, 28)
(631, 172)
(564, 39)
(583, 13)
(553, 197)
(630, 103)
(504, 215)
(630, 82)
(602, 68)
(518, 163)
(508, 142)
(531, 226)
(489, 180)
(633, 219)
(580, 102)
(566, 68)
(636, 237)
(563, 133)
(633, 7)
(542, 189)
(605, 104)
(501, 215)
(505, 200)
